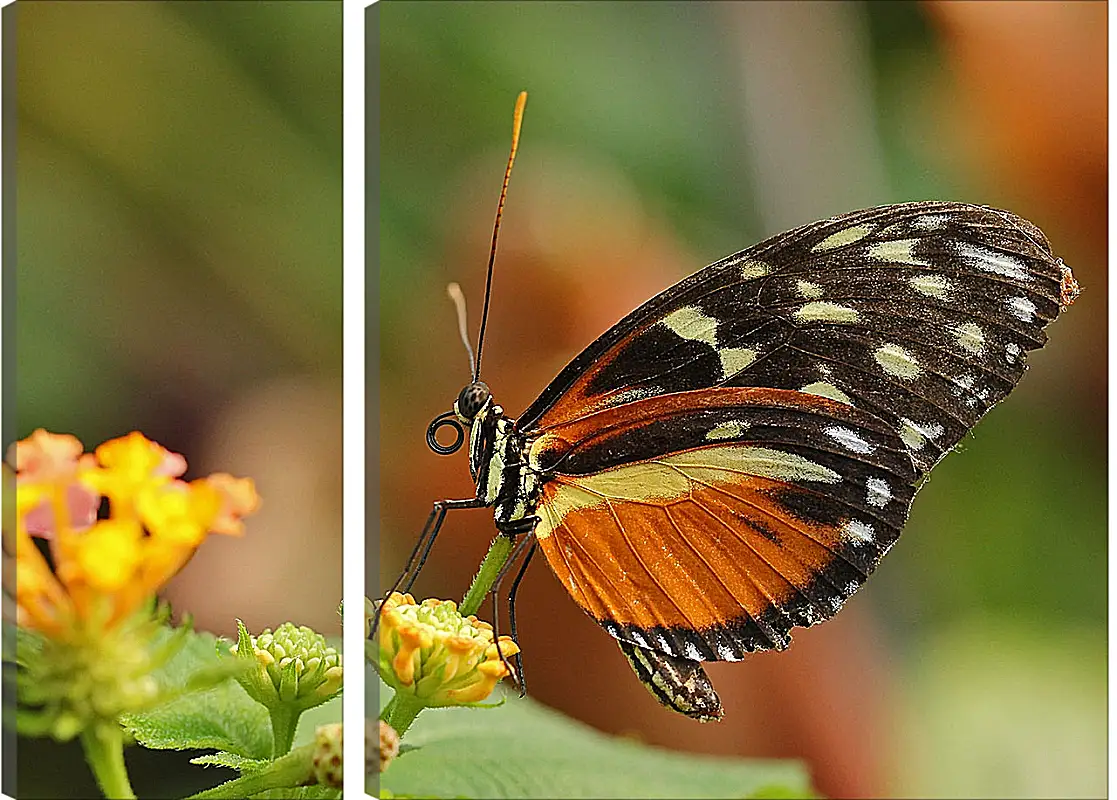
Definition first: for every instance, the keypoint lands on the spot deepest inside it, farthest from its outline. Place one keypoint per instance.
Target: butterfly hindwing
(707, 524)
(677, 683)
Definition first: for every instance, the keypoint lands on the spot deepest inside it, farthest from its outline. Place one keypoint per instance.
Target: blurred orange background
(661, 137)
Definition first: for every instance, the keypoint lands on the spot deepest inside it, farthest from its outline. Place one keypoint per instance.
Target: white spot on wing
(849, 440)
(915, 435)
(911, 435)
(638, 638)
(1012, 352)
(854, 233)
(690, 322)
(691, 651)
(859, 532)
(727, 430)
(929, 222)
(931, 285)
(898, 251)
(829, 390)
(879, 492)
(754, 269)
(1022, 308)
(997, 263)
(808, 290)
(749, 268)
(897, 361)
(735, 359)
(726, 652)
(966, 381)
(821, 311)
(971, 338)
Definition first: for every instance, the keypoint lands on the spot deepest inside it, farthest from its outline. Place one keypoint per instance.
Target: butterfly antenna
(517, 120)
(456, 295)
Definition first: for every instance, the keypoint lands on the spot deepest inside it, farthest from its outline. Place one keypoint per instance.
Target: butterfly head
(473, 401)
(470, 401)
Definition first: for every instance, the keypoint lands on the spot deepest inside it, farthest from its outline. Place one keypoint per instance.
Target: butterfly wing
(678, 683)
(706, 524)
(734, 457)
(920, 313)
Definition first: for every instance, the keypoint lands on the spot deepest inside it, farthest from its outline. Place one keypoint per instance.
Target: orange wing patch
(696, 555)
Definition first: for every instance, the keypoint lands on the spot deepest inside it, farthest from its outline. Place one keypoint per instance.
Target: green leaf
(230, 760)
(316, 792)
(525, 750)
(776, 791)
(222, 718)
(28, 644)
(284, 774)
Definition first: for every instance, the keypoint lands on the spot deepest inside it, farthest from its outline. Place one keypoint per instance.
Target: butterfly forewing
(920, 313)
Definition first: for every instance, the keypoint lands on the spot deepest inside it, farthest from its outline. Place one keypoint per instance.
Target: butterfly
(734, 458)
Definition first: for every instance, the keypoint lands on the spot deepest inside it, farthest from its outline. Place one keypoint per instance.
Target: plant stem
(103, 744)
(284, 721)
(401, 711)
(498, 554)
(389, 708)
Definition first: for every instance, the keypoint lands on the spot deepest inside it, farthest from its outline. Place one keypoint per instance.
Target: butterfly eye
(471, 400)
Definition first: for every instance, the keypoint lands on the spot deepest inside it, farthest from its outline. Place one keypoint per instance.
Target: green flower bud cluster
(294, 666)
(68, 687)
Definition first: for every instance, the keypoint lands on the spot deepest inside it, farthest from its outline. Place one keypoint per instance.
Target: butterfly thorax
(498, 457)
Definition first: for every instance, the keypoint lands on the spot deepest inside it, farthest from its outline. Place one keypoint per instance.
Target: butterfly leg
(512, 615)
(422, 548)
(513, 529)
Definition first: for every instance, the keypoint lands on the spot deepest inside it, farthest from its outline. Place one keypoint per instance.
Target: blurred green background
(660, 137)
(178, 271)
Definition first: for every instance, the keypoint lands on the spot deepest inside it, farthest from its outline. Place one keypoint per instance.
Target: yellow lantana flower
(104, 570)
(430, 651)
(89, 608)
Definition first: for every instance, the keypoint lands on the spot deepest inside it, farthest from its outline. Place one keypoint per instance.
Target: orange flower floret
(106, 556)
(125, 467)
(179, 512)
(46, 457)
(46, 464)
(104, 570)
(431, 651)
(238, 499)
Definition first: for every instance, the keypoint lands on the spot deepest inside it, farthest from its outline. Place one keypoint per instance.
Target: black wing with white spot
(919, 313)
